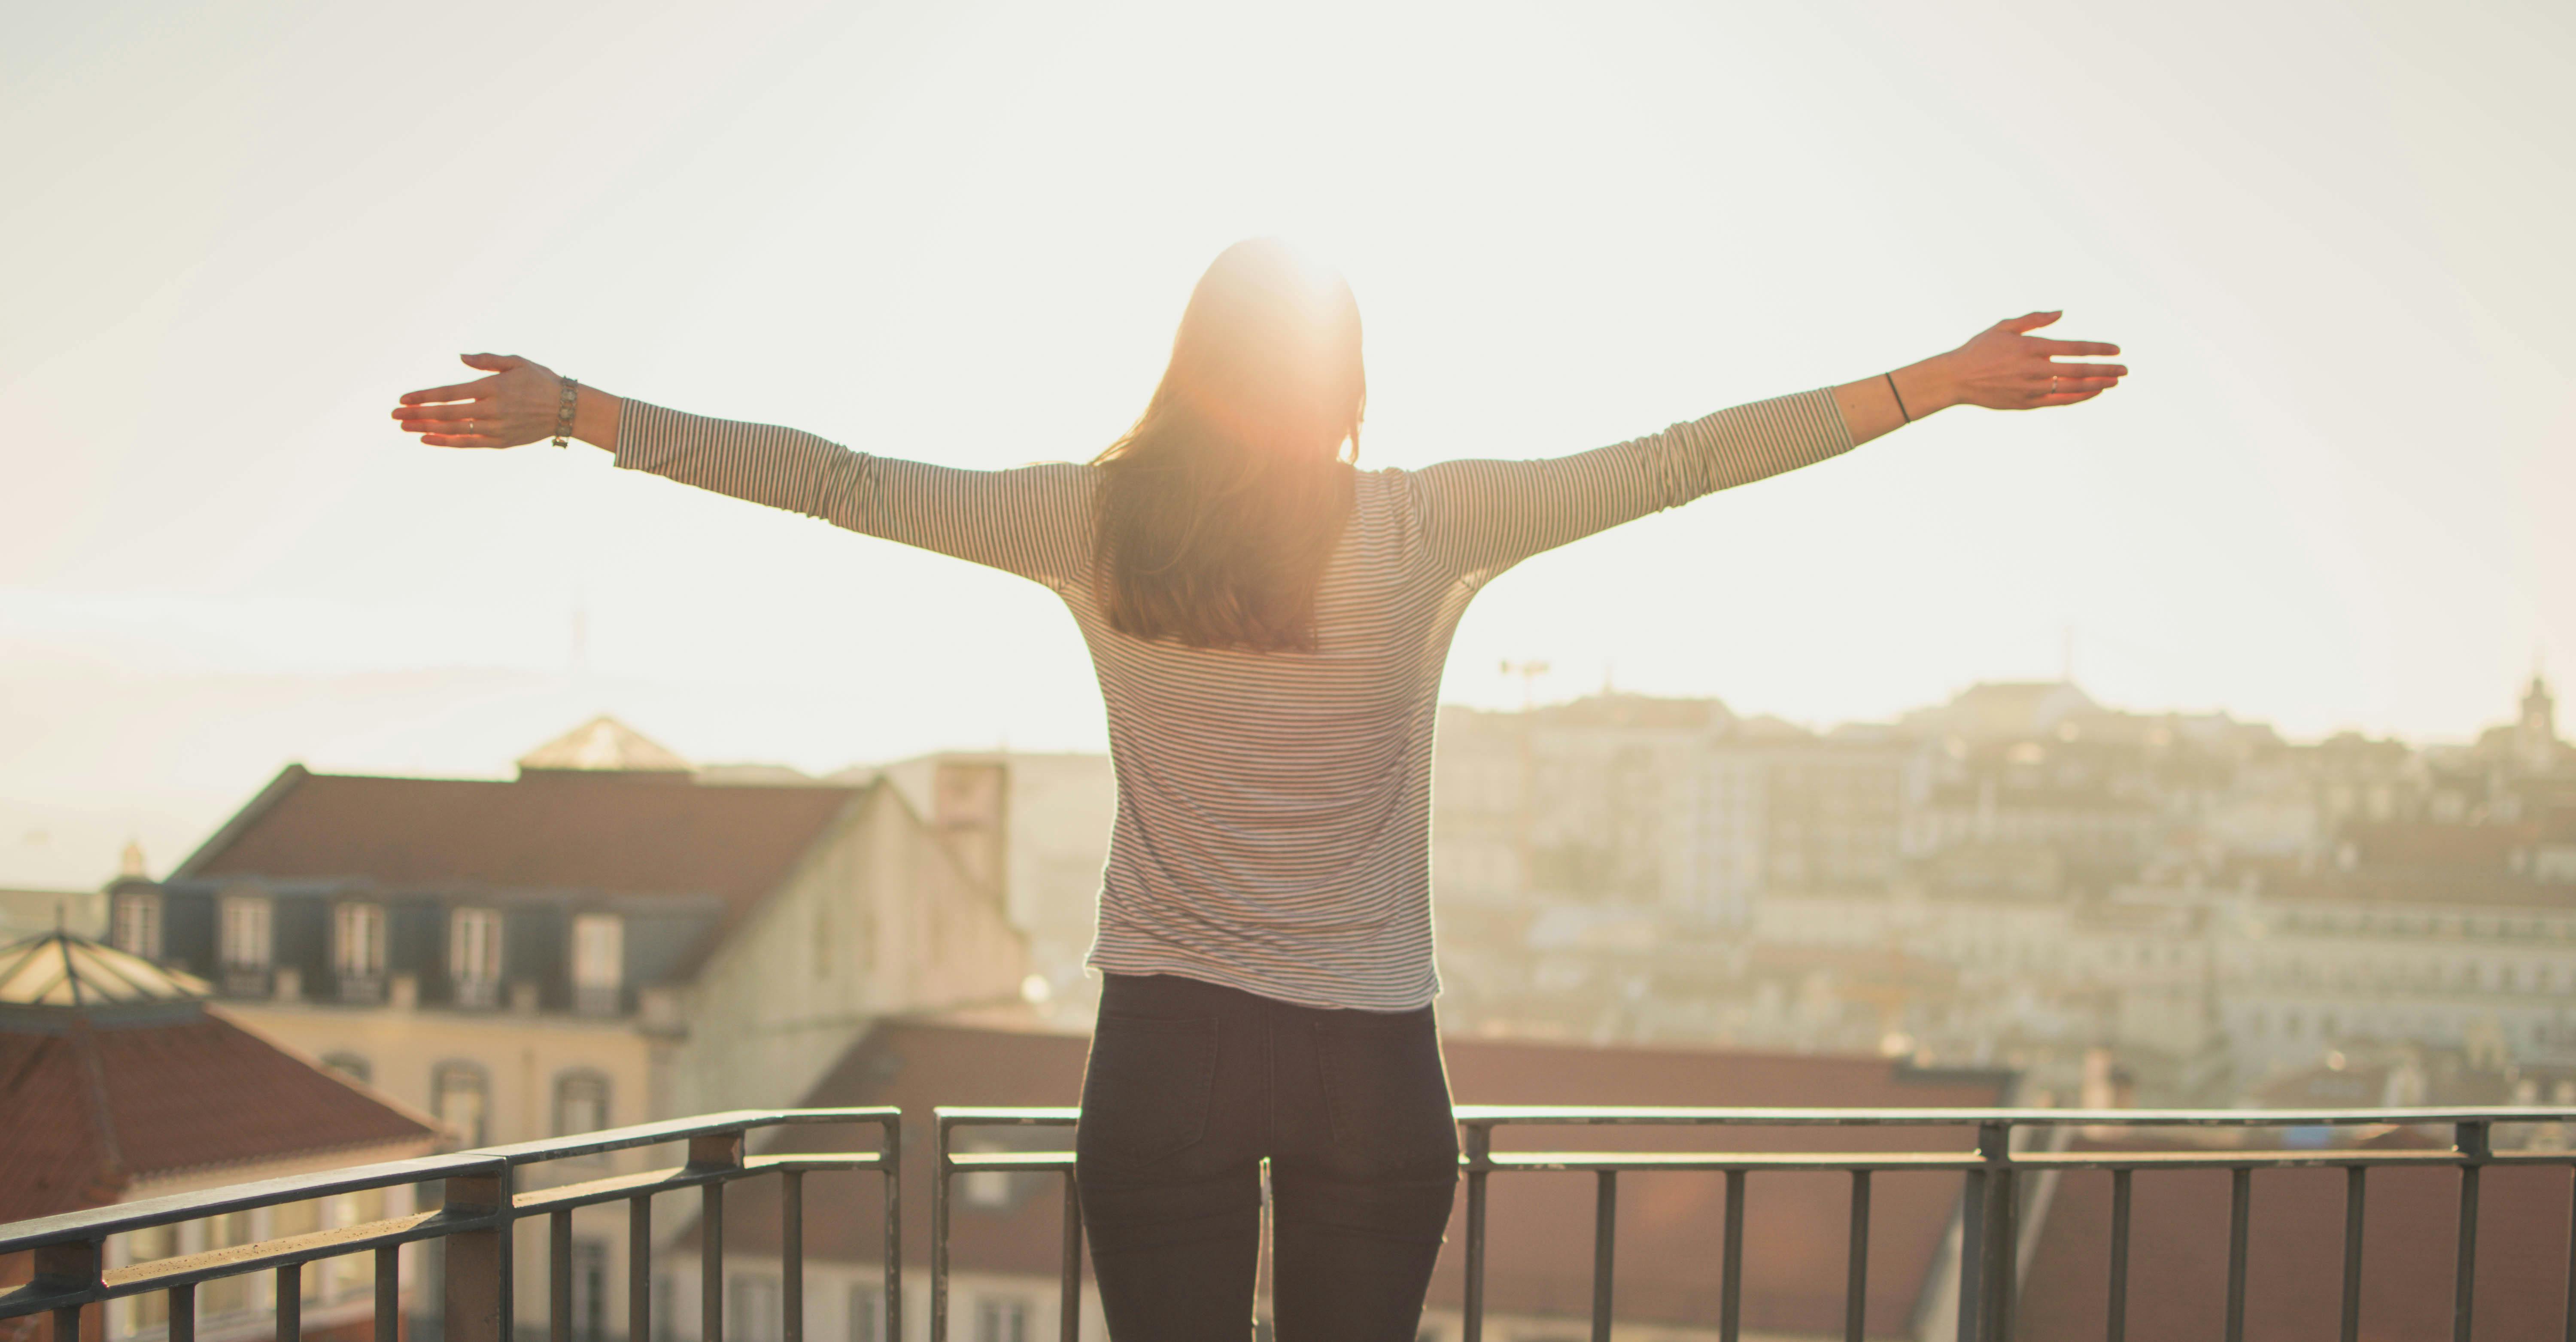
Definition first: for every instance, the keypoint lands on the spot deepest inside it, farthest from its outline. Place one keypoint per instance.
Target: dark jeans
(1190, 1085)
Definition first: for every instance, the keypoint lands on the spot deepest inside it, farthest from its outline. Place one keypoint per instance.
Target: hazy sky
(2330, 237)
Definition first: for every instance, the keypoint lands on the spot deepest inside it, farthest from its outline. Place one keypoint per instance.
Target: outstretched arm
(1034, 521)
(1481, 517)
(2003, 367)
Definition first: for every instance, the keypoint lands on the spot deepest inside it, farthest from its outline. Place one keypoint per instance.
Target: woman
(1268, 624)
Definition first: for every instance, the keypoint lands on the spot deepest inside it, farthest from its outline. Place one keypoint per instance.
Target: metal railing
(1986, 1226)
(480, 1207)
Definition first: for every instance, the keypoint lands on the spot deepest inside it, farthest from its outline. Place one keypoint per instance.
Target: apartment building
(605, 939)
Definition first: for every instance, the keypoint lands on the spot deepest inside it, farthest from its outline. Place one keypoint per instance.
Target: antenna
(1528, 672)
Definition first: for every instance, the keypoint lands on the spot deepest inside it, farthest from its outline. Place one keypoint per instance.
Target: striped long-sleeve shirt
(1273, 829)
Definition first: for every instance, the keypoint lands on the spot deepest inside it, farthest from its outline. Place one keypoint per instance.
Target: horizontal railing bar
(1011, 1160)
(116, 1218)
(161, 1274)
(1489, 1115)
(618, 1188)
(679, 1129)
(1884, 1160)
(1053, 1116)
(1935, 1161)
(1504, 1115)
(1957, 1161)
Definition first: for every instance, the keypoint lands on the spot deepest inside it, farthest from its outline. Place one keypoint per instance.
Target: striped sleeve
(1034, 521)
(1481, 517)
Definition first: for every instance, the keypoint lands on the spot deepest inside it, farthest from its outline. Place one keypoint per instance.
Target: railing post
(388, 1318)
(791, 1255)
(2354, 1193)
(559, 1276)
(893, 1158)
(1479, 1150)
(1730, 1281)
(476, 1289)
(939, 1230)
(713, 1151)
(1986, 1242)
(1068, 1324)
(2475, 1147)
(1605, 1249)
(2117, 1327)
(1856, 1263)
(639, 1268)
(183, 1314)
(290, 1303)
(2240, 1216)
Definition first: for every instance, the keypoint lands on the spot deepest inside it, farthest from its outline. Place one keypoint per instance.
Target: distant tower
(2535, 734)
(130, 862)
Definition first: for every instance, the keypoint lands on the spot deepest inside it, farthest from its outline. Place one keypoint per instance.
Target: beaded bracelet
(563, 411)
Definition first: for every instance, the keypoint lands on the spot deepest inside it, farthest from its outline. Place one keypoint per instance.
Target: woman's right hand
(2005, 368)
(517, 404)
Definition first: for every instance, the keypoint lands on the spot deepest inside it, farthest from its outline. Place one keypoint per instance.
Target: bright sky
(2330, 237)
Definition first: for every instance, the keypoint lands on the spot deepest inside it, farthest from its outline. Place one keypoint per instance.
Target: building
(119, 1083)
(605, 939)
(1044, 819)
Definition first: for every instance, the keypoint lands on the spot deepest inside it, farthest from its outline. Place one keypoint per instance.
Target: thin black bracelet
(1900, 397)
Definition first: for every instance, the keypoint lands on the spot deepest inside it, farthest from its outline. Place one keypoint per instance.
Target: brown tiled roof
(1540, 1254)
(89, 1110)
(2178, 1255)
(613, 833)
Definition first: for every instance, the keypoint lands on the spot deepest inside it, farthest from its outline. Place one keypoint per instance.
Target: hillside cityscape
(2020, 897)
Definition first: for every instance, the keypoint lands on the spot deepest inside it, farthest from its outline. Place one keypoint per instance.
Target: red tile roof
(90, 1110)
(2178, 1255)
(1540, 1250)
(606, 832)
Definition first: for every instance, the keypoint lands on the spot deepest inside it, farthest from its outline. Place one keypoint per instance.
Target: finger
(2030, 321)
(2088, 370)
(477, 409)
(2054, 347)
(2066, 398)
(459, 440)
(462, 391)
(493, 363)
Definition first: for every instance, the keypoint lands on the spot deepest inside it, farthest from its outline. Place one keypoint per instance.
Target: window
(350, 1275)
(990, 1189)
(590, 1289)
(358, 941)
(867, 1314)
(348, 1066)
(751, 1308)
(138, 925)
(245, 931)
(225, 1295)
(598, 962)
(1001, 1319)
(581, 1103)
(461, 1098)
(474, 946)
(152, 1308)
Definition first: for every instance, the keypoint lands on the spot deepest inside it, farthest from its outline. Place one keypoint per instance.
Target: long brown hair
(1220, 507)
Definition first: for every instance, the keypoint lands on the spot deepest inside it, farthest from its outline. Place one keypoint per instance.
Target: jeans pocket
(1146, 1089)
(1386, 1093)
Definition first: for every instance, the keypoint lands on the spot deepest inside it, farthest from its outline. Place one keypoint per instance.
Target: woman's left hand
(516, 405)
(2004, 367)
